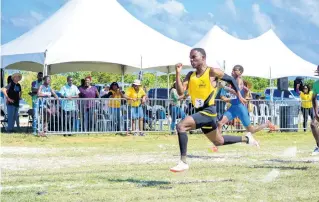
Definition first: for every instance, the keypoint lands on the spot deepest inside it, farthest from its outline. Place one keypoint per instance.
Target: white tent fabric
(265, 56)
(97, 35)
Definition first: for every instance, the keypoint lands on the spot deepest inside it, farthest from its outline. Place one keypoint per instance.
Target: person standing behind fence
(138, 97)
(306, 105)
(175, 107)
(88, 91)
(115, 105)
(69, 106)
(45, 91)
(35, 85)
(13, 92)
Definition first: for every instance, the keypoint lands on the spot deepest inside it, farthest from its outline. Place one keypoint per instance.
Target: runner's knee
(180, 127)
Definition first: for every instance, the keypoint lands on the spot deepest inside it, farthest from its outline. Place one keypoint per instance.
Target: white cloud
(210, 15)
(153, 7)
(225, 28)
(235, 34)
(231, 6)
(37, 16)
(33, 19)
(250, 36)
(263, 21)
(308, 9)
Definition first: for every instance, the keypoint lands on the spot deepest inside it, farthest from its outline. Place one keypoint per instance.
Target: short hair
(201, 50)
(69, 77)
(40, 73)
(239, 67)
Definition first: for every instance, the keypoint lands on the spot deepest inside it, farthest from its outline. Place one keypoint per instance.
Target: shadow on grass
(153, 183)
(142, 183)
(292, 161)
(280, 167)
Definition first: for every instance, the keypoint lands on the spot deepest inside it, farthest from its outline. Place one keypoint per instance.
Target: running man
(239, 110)
(315, 122)
(201, 88)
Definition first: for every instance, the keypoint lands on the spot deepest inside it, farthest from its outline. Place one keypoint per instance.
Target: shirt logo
(202, 84)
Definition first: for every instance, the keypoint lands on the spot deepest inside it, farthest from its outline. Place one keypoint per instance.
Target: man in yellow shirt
(201, 88)
(138, 96)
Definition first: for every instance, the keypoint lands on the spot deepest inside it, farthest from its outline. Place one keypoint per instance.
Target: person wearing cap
(35, 85)
(114, 105)
(13, 93)
(137, 97)
(315, 122)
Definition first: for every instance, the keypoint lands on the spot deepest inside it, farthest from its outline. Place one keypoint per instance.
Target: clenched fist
(178, 67)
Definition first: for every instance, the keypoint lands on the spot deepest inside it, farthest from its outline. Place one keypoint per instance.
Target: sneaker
(213, 149)
(142, 134)
(181, 166)
(251, 140)
(315, 152)
(271, 126)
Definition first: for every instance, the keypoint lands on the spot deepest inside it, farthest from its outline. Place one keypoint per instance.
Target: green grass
(116, 168)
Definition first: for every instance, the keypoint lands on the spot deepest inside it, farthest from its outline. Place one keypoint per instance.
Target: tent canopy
(95, 35)
(265, 56)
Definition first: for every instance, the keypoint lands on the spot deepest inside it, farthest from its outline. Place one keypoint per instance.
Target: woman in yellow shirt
(306, 105)
(115, 105)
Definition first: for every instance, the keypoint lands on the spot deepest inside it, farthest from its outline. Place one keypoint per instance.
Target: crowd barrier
(102, 115)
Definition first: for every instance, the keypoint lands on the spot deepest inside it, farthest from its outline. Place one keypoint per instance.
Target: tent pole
(123, 70)
(45, 68)
(270, 84)
(167, 82)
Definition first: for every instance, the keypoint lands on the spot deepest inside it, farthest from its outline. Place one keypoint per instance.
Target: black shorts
(206, 119)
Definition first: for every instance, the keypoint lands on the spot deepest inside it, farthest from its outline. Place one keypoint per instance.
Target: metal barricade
(103, 115)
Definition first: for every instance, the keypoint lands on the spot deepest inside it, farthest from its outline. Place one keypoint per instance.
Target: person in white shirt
(69, 107)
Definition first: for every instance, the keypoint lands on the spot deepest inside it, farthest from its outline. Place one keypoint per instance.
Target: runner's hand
(178, 67)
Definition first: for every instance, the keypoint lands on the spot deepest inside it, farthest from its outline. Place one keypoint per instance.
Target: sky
(296, 22)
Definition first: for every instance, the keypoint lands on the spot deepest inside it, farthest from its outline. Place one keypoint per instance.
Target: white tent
(98, 35)
(265, 56)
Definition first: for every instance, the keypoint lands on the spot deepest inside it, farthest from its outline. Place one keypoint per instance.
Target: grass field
(116, 168)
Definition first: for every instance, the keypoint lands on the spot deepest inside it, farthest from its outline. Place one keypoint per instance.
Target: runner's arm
(181, 87)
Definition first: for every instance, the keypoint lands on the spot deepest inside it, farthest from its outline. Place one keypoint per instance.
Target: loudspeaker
(282, 83)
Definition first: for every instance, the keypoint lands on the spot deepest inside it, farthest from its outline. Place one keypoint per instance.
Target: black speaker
(282, 83)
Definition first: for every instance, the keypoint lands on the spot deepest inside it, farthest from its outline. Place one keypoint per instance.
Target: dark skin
(315, 121)
(88, 85)
(46, 83)
(35, 90)
(70, 82)
(198, 61)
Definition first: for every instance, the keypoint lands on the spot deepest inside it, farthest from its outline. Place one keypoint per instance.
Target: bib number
(199, 103)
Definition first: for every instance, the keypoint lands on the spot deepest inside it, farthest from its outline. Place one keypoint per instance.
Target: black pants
(306, 112)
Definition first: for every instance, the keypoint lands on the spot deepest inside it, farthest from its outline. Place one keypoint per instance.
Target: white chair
(155, 109)
(264, 112)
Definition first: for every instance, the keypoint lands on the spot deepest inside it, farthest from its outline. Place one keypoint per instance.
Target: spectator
(115, 104)
(88, 91)
(175, 107)
(13, 92)
(45, 91)
(105, 91)
(35, 85)
(69, 108)
(9, 80)
(306, 105)
(138, 97)
(82, 83)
